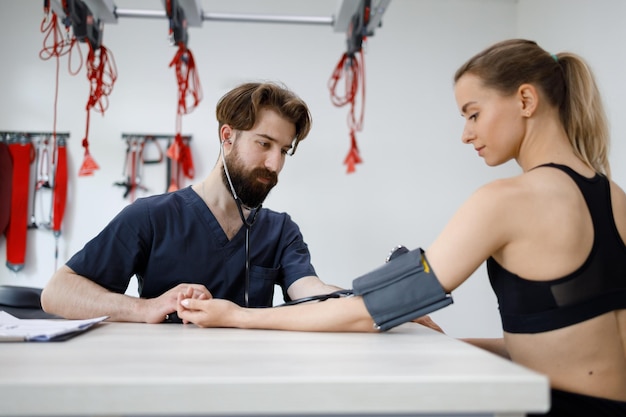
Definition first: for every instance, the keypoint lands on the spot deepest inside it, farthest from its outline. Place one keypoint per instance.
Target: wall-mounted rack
(137, 148)
(32, 162)
(25, 137)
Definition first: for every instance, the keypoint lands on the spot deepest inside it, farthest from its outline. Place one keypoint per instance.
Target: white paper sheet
(13, 329)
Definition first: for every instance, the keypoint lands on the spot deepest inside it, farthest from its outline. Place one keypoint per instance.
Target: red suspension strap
(59, 194)
(22, 154)
(189, 96)
(102, 74)
(55, 45)
(351, 67)
(6, 179)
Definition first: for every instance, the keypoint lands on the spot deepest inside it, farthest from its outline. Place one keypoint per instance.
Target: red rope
(102, 74)
(352, 68)
(189, 88)
(189, 96)
(55, 45)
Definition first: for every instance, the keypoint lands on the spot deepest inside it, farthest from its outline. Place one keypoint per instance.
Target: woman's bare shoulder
(504, 191)
(617, 194)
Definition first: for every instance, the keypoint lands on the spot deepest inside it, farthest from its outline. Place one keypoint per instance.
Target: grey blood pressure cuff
(401, 290)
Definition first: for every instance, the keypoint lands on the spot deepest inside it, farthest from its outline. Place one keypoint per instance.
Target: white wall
(595, 30)
(415, 172)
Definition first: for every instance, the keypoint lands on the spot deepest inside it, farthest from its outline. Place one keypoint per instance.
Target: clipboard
(13, 329)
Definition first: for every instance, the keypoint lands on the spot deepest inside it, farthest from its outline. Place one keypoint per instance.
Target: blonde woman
(553, 237)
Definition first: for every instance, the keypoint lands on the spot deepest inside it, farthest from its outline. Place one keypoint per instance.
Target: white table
(172, 369)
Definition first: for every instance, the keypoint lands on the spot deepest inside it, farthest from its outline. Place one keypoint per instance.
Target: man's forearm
(74, 297)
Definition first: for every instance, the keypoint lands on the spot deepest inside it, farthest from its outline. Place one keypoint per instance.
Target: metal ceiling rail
(234, 17)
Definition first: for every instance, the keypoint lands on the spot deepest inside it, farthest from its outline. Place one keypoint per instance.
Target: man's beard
(250, 191)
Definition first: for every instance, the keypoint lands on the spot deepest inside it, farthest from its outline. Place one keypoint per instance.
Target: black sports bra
(597, 287)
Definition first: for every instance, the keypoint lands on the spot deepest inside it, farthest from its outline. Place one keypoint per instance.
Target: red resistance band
(22, 155)
(102, 74)
(6, 174)
(189, 96)
(59, 193)
(353, 68)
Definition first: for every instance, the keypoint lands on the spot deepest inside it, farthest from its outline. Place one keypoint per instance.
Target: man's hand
(157, 309)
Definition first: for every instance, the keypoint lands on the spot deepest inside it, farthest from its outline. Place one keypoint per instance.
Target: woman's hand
(154, 310)
(428, 322)
(206, 312)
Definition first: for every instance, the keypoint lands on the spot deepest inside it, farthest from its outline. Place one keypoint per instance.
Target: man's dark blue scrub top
(174, 238)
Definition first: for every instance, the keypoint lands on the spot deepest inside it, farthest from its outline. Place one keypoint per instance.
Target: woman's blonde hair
(565, 79)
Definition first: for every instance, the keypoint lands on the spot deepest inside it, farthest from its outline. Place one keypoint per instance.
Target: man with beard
(211, 239)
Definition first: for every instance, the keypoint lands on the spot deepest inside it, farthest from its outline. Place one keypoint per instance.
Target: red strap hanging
(102, 74)
(6, 178)
(189, 88)
(174, 176)
(55, 45)
(352, 67)
(353, 156)
(189, 96)
(89, 164)
(180, 152)
(22, 154)
(59, 195)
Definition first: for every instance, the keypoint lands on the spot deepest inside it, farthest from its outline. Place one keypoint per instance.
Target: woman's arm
(477, 229)
(346, 314)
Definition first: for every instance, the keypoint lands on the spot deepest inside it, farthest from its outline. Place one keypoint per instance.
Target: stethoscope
(398, 250)
(247, 224)
(393, 254)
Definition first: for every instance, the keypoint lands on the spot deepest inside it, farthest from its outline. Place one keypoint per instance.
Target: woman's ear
(529, 99)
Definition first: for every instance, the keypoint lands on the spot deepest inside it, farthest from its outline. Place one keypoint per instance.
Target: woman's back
(553, 238)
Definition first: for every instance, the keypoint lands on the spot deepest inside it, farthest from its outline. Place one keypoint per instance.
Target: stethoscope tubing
(247, 224)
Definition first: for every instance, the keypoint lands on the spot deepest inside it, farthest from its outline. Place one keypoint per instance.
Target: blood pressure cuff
(401, 290)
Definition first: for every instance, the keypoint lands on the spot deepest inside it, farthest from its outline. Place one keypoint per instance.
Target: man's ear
(529, 99)
(226, 133)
